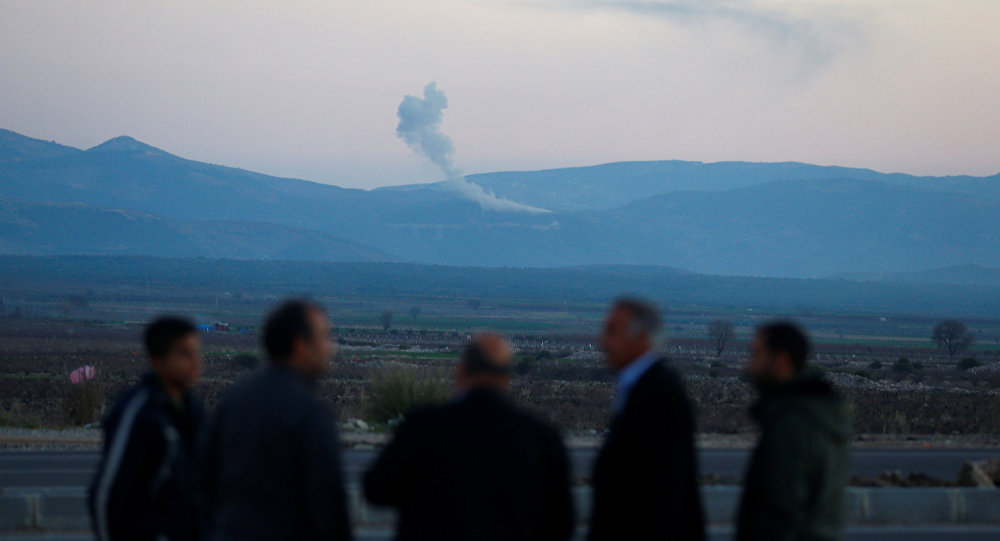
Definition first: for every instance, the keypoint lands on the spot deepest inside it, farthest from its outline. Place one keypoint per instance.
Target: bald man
(476, 468)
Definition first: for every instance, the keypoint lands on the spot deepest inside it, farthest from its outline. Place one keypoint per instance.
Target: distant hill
(77, 228)
(960, 275)
(14, 147)
(814, 225)
(730, 218)
(607, 186)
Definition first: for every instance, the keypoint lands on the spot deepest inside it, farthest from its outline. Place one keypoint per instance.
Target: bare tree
(952, 336)
(720, 330)
(415, 312)
(386, 319)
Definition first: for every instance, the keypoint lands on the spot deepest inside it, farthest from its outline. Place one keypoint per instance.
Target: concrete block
(364, 514)
(377, 516)
(980, 506)
(855, 503)
(62, 511)
(355, 504)
(720, 504)
(582, 501)
(16, 512)
(910, 506)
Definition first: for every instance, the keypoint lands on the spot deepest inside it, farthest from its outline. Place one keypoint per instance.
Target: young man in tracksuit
(144, 488)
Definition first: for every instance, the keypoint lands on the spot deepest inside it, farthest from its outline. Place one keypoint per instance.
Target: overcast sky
(310, 90)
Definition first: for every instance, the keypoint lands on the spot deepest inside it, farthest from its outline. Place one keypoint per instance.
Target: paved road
(70, 468)
(716, 534)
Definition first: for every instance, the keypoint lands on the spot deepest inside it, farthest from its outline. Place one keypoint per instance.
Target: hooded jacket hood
(811, 396)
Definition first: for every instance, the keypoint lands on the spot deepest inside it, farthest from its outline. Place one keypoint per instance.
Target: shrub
(247, 361)
(877, 365)
(902, 365)
(526, 365)
(18, 414)
(967, 363)
(397, 391)
(82, 403)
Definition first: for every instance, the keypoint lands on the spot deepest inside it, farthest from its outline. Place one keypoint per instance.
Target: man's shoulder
(268, 381)
(528, 424)
(429, 422)
(803, 398)
(131, 401)
(457, 412)
(135, 412)
(432, 413)
(817, 409)
(269, 396)
(660, 377)
(660, 389)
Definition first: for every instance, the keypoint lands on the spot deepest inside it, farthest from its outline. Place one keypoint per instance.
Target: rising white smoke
(420, 126)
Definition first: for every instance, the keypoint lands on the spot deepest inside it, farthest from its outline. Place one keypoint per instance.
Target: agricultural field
(899, 382)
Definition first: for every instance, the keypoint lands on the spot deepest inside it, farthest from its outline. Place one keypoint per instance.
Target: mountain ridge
(786, 219)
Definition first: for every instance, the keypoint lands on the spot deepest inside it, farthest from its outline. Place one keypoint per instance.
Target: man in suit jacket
(273, 459)
(644, 480)
(476, 468)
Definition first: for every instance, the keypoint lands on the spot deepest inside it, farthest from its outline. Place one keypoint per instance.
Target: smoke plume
(420, 126)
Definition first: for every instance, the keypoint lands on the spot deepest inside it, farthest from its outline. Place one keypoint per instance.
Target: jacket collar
(629, 377)
(285, 371)
(809, 383)
(157, 395)
(480, 394)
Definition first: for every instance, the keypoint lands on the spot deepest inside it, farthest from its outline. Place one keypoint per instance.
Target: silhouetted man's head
(174, 350)
(778, 353)
(297, 334)
(629, 331)
(485, 363)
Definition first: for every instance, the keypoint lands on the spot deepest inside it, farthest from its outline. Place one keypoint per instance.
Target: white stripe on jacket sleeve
(113, 462)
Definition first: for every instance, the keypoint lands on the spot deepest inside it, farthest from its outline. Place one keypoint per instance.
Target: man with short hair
(272, 460)
(144, 488)
(476, 468)
(644, 480)
(794, 485)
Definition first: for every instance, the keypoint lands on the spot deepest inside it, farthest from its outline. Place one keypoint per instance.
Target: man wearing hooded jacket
(794, 485)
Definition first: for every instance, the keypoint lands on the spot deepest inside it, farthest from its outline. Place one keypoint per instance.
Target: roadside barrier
(64, 509)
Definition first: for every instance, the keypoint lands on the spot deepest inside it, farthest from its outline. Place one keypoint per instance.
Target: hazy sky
(310, 89)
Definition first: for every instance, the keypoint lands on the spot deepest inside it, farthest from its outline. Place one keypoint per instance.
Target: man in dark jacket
(644, 480)
(144, 488)
(273, 458)
(476, 469)
(794, 485)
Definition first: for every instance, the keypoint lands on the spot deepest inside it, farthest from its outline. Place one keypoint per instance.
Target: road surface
(75, 468)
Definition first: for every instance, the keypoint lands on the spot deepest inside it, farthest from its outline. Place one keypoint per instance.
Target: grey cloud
(818, 39)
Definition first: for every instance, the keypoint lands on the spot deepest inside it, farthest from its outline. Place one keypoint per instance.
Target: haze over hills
(552, 286)
(733, 218)
(81, 229)
(972, 275)
(588, 188)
